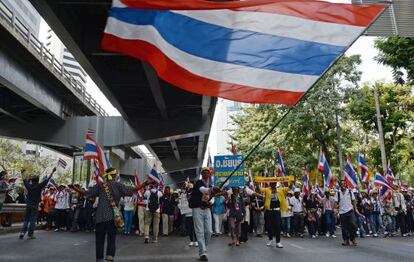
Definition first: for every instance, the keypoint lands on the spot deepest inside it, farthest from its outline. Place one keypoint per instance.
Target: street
(80, 247)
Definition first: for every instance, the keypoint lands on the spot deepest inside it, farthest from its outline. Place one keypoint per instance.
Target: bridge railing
(22, 33)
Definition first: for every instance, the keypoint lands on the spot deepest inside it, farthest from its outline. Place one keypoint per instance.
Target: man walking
(346, 202)
(34, 190)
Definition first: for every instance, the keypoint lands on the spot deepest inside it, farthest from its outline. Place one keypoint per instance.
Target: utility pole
(380, 131)
(338, 138)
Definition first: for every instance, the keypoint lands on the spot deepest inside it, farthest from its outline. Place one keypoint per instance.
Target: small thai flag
(281, 171)
(62, 163)
(382, 181)
(52, 183)
(90, 132)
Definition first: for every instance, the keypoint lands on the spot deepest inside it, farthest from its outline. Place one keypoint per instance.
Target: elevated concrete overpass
(174, 124)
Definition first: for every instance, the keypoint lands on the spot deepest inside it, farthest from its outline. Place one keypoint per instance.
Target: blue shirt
(218, 206)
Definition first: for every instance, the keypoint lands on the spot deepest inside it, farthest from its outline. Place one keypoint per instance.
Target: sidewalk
(15, 228)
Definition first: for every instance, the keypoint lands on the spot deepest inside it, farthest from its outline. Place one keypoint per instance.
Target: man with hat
(298, 212)
(200, 203)
(109, 193)
(34, 191)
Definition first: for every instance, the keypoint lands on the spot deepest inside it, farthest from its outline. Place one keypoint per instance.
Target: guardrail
(38, 49)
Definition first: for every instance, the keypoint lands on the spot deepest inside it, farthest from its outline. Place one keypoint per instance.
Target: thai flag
(52, 183)
(323, 165)
(319, 191)
(210, 166)
(274, 51)
(364, 169)
(306, 184)
(90, 150)
(389, 175)
(91, 132)
(136, 178)
(350, 175)
(62, 163)
(385, 194)
(281, 171)
(250, 183)
(155, 176)
(233, 149)
(382, 181)
(97, 174)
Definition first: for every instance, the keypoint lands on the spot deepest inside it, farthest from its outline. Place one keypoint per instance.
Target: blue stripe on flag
(90, 148)
(241, 47)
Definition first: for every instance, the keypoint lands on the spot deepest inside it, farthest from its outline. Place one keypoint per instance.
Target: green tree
(308, 127)
(398, 53)
(11, 155)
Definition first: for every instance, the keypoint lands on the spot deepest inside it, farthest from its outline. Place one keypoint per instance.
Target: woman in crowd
(311, 205)
(236, 215)
(187, 213)
(129, 208)
(218, 210)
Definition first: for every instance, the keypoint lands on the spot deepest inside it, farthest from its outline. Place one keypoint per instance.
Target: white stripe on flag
(279, 25)
(224, 72)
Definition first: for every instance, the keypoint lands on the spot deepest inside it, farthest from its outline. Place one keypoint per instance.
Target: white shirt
(345, 201)
(129, 203)
(147, 195)
(296, 203)
(62, 200)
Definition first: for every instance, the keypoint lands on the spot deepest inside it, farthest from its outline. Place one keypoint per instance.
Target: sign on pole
(223, 166)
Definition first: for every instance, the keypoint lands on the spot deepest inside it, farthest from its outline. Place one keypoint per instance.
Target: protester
(34, 191)
(287, 216)
(257, 208)
(245, 224)
(140, 213)
(129, 208)
(236, 215)
(328, 210)
(61, 207)
(152, 213)
(298, 213)
(109, 193)
(377, 212)
(401, 210)
(3, 187)
(346, 203)
(167, 211)
(311, 205)
(200, 203)
(218, 210)
(186, 211)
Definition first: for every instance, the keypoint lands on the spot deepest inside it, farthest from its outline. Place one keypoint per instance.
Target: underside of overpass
(176, 122)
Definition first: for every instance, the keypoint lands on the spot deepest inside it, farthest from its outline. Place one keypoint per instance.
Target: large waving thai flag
(281, 171)
(323, 165)
(258, 51)
(382, 181)
(364, 169)
(153, 175)
(93, 151)
(350, 175)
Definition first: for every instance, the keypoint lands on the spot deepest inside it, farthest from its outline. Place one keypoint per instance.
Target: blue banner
(224, 165)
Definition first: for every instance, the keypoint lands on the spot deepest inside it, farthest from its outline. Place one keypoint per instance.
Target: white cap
(297, 190)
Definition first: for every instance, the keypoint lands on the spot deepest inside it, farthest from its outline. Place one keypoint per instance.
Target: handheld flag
(365, 174)
(62, 163)
(211, 168)
(306, 184)
(389, 175)
(385, 194)
(92, 151)
(90, 132)
(274, 51)
(233, 149)
(281, 167)
(323, 165)
(250, 183)
(382, 181)
(52, 183)
(154, 176)
(350, 175)
(318, 190)
(136, 178)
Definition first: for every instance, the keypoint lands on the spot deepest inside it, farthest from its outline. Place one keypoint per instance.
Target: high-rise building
(26, 14)
(62, 54)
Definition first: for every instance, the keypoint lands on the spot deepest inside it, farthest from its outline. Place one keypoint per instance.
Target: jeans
(107, 229)
(286, 224)
(29, 220)
(330, 222)
(274, 222)
(258, 222)
(376, 223)
(202, 228)
(128, 221)
(218, 221)
(348, 226)
(189, 227)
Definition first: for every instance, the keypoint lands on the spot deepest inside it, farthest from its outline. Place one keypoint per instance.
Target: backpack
(153, 202)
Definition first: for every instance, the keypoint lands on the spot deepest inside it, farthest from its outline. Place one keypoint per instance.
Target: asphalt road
(79, 247)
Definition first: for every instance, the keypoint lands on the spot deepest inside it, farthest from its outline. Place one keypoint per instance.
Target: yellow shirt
(281, 195)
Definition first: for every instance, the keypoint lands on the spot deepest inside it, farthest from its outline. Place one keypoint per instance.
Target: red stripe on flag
(169, 71)
(358, 15)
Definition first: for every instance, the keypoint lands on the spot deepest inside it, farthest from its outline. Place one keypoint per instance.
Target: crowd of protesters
(198, 211)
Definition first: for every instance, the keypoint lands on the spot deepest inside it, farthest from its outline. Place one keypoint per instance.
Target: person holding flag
(108, 216)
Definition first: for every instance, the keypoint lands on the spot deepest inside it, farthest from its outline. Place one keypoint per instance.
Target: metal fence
(22, 33)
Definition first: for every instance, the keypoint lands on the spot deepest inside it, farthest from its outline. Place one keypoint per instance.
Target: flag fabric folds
(389, 175)
(253, 51)
(154, 176)
(350, 175)
(323, 165)
(281, 171)
(306, 184)
(382, 181)
(93, 151)
(52, 183)
(363, 168)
